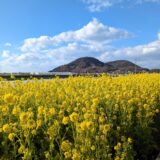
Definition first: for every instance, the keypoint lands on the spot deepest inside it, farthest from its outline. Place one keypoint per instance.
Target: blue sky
(38, 35)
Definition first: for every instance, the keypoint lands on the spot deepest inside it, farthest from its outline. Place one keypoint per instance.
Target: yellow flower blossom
(66, 146)
(67, 155)
(31, 124)
(52, 111)
(129, 140)
(21, 149)
(83, 117)
(74, 117)
(11, 136)
(7, 128)
(9, 98)
(76, 155)
(65, 120)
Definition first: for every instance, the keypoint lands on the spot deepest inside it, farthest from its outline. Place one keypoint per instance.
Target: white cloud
(147, 55)
(5, 54)
(100, 5)
(94, 39)
(46, 60)
(7, 44)
(35, 44)
(93, 32)
(44, 53)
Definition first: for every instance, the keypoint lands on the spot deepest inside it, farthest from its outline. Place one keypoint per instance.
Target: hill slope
(126, 66)
(93, 65)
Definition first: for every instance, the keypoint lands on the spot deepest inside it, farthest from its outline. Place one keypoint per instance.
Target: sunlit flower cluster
(79, 118)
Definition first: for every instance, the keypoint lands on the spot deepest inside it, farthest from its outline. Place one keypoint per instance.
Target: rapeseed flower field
(80, 118)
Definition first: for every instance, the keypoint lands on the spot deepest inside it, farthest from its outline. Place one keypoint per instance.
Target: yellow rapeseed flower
(31, 124)
(9, 98)
(65, 120)
(74, 117)
(21, 149)
(129, 140)
(7, 128)
(52, 112)
(67, 155)
(76, 155)
(11, 136)
(66, 146)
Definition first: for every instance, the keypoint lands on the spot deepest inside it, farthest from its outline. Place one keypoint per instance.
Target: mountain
(126, 66)
(93, 65)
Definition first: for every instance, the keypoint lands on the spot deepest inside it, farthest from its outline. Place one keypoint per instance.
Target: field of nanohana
(81, 118)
